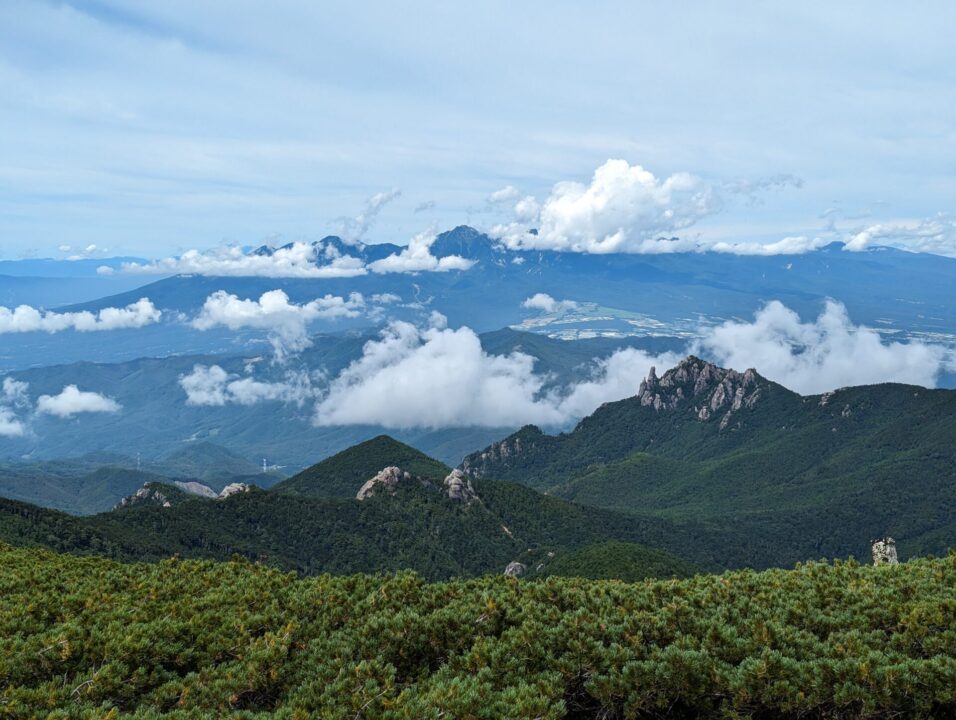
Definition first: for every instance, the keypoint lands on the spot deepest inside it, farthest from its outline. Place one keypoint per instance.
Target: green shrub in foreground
(91, 638)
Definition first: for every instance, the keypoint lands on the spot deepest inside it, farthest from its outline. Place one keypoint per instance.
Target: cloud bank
(73, 401)
(298, 260)
(936, 235)
(286, 322)
(827, 353)
(417, 257)
(25, 318)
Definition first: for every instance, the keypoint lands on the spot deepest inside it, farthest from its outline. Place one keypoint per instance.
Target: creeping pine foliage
(87, 637)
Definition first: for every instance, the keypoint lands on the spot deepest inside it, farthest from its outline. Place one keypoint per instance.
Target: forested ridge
(89, 637)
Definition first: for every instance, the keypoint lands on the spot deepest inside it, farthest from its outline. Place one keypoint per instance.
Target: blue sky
(149, 128)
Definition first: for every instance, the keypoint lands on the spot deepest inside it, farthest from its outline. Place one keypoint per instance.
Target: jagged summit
(711, 390)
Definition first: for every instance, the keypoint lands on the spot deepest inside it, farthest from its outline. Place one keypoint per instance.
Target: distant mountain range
(902, 294)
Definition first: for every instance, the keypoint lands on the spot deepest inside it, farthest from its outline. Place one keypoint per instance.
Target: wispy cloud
(211, 385)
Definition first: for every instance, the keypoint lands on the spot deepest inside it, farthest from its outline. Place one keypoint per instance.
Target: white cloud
(211, 385)
(25, 318)
(296, 260)
(13, 397)
(787, 246)
(354, 229)
(417, 257)
(624, 209)
(72, 401)
(385, 298)
(936, 235)
(546, 303)
(441, 377)
(813, 357)
(286, 322)
(509, 193)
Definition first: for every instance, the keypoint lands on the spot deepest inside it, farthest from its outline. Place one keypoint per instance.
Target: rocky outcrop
(234, 489)
(458, 487)
(501, 451)
(884, 551)
(195, 488)
(515, 569)
(710, 391)
(146, 495)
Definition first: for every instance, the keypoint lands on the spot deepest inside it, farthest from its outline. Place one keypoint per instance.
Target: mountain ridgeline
(816, 476)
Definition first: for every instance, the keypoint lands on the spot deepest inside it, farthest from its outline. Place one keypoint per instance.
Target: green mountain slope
(824, 474)
(341, 475)
(418, 527)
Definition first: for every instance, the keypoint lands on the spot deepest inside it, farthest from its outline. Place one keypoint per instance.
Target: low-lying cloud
(211, 385)
(547, 304)
(297, 260)
(287, 322)
(73, 401)
(826, 353)
(13, 400)
(25, 318)
(417, 257)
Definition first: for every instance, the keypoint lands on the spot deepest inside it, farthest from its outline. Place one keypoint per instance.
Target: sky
(148, 129)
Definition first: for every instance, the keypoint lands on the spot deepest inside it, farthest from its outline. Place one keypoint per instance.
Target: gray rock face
(515, 569)
(195, 488)
(386, 480)
(884, 552)
(233, 489)
(496, 452)
(458, 487)
(710, 390)
(146, 495)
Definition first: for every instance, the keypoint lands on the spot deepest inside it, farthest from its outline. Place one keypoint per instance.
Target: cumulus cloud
(546, 303)
(299, 259)
(936, 235)
(25, 318)
(625, 208)
(827, 353)
(286, 322)
(72, 401)
(440, 377)
(417, 257)
(211, 385)
(354, 229)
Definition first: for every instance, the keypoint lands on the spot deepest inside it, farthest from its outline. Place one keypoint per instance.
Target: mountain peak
(708, 388)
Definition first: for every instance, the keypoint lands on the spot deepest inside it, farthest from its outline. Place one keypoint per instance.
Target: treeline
(89, 637)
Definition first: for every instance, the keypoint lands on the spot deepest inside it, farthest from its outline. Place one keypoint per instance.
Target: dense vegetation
(418, 529)
(814, 476)
(341, 475)
(87, 637)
